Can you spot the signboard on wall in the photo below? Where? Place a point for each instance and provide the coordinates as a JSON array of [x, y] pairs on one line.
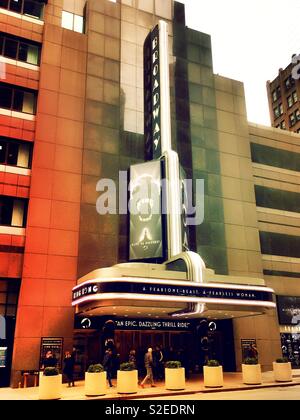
[[246, 345], [134, 324], [146, 228], [95, 290], [53, 344], [3, 357], [288, 310], [2, 328], [290, 345]]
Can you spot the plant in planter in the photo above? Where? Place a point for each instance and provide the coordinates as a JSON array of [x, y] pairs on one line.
[[282, 370], [175, 376], [127, 379], [213, 374], [95, 381], [251, 371], [127, 367], [50, 386]]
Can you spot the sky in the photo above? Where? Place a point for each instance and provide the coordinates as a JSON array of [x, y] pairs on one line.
[[251, 40]]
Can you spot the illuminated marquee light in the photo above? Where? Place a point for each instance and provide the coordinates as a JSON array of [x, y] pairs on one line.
[[164, 291], [178, 299], [173, 283]]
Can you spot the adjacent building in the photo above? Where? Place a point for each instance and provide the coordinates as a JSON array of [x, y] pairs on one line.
[[283, 96], [72, 113]]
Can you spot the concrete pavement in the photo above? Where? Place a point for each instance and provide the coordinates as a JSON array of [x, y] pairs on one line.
[[232, 382], [262, 394]]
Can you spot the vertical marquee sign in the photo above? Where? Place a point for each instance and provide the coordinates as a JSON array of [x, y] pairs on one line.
[[157, 93], [146, 229]]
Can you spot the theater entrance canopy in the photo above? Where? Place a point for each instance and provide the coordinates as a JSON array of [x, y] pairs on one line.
[[156, 291]]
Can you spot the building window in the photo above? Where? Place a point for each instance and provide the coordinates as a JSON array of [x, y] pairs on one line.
[[15, 153], [278, 111], [13, 211], [292, 99], [283, 125], [72, 22], [294, 117], [19, 49], [272, 198], [17, 99], [31, 8], [276, 94], [278, 158], [9, 294], [295, 97], [289, 82]]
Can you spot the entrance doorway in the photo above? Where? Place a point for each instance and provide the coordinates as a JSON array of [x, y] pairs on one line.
[[185, 346]]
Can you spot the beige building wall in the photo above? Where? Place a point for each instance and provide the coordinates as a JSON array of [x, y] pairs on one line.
[[240, 216], [278, 221]]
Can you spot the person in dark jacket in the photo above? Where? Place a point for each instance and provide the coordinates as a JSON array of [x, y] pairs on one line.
[[132, 358], [49, 360], [158, 365], [253, 352], [68, 370], [108, 365]]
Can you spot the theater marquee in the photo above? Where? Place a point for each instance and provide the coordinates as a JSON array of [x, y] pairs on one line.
[[176, 291]]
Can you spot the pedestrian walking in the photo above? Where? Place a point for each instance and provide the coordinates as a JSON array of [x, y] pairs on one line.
[[149, 367], [68, 370], [108, 365]]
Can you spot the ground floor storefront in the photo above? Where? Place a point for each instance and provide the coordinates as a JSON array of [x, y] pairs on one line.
[[191, 342]]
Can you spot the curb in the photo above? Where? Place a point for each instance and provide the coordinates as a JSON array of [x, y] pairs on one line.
[[202, 391]]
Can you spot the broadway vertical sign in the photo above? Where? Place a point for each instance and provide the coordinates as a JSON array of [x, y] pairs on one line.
[[157, 93], [152, 95]]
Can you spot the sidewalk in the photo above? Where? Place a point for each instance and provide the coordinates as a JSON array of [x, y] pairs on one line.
[[232, 382]]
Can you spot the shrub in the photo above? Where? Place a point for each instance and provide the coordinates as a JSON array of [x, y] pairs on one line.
[[95, 369], [282, 360], [51, 371], [127, 367], [173, 365], [213, 363], [251, 361]]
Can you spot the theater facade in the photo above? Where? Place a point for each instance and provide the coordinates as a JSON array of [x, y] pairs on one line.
[[110, 88]]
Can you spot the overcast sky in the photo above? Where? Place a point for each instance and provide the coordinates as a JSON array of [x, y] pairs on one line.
[[251, 40]]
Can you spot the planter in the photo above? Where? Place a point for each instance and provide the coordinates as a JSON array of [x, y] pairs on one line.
[[213, 377], [251, 374], [283, 372], [175, 379], [95, 384], [50, 387], [127, 382]]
